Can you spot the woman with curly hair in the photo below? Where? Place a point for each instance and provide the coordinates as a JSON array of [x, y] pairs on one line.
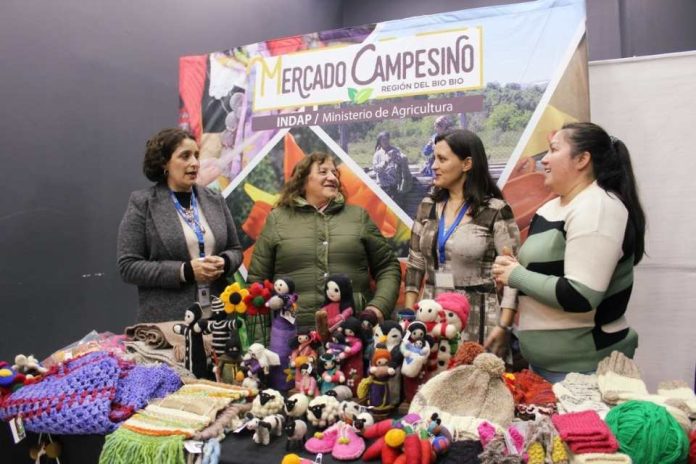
[[177, 240], [312, 233]]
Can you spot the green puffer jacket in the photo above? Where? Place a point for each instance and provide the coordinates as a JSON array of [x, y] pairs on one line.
[[309, 245]]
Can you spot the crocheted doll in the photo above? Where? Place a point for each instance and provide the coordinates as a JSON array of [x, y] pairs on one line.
[[307, 383], [351, 357], [218, 325], [304, 347], [338, 305], [195, 359], [283, 329], [331, 374]]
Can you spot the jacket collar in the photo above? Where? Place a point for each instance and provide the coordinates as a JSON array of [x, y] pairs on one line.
[[334, 206]]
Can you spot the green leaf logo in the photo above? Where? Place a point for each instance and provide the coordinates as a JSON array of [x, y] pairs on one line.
[[359, 96], [363, 95]]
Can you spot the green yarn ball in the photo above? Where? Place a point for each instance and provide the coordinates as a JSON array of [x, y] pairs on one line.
[[648, 433]]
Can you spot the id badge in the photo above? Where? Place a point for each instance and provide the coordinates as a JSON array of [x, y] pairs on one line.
[[444, 280], [204, 295]]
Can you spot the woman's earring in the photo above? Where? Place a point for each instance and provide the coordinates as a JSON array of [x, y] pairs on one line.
[[166, 172]]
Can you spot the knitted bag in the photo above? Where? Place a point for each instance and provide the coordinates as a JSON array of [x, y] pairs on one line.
[[73, 399]]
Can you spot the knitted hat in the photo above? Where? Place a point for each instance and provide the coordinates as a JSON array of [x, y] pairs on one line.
[[466, 353], [476, 391], [216, 305], [456, 303], [381, 353]]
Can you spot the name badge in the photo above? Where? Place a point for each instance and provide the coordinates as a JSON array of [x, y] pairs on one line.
[[204, 295], [444, 280]]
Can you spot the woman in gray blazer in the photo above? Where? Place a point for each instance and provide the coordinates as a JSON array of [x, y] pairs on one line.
[[177, 241]]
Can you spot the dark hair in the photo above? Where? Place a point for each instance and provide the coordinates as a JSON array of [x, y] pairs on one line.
[[611, 164], [354, 324], [345, 286], [381, 136], [479, 186], [294, 187], [159, 149]]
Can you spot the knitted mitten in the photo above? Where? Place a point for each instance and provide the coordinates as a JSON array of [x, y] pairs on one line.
[[544, 444], [678, 394], [579, 392], [619, 380], [496, 453]]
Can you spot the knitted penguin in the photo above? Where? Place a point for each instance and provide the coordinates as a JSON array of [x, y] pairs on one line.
[[195, 359]]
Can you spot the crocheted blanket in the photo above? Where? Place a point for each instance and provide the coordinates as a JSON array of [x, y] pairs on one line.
[[89, 394]]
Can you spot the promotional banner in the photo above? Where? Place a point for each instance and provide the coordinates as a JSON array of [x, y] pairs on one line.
[[376, 95]]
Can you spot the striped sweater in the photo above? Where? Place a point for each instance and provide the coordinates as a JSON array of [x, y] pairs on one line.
[[575, 282]]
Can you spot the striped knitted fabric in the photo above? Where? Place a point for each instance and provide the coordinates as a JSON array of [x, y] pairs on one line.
[[585, 432], [161, 427]]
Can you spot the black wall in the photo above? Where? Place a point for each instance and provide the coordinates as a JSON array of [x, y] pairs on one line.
[[84, 83]]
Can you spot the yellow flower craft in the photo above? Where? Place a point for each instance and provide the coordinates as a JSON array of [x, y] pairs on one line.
[[233, 298]]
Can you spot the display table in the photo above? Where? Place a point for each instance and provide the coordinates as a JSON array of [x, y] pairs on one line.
[[85, 449]]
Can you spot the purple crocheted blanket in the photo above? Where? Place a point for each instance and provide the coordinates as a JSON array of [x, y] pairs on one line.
[[89, 394]]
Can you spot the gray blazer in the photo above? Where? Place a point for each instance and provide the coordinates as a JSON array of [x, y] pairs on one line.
[[152, 248]]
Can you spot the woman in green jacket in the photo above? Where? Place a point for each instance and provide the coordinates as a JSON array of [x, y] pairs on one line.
[[312, 233]]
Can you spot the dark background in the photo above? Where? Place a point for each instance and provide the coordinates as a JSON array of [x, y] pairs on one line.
[[83, 84]]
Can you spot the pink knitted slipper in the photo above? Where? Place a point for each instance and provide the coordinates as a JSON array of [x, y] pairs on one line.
[[323, 442], [349, 445]]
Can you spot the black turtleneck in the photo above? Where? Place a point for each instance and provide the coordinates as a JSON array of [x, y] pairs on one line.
[[184, 198]]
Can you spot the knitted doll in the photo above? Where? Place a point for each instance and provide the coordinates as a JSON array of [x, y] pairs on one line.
[[368, 321], [218, 325], [195, 359], [307, 383], [378, 392], [229, 365], [283, 330], [391, 334], [331, 374], [415, 348], [304, 347], [453, 317], [338, 305], [258, 362], [351, 358]]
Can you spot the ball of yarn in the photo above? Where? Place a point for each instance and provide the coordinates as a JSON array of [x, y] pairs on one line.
[[395, 438], [648, 433], [291, 459], [440, 444], [692, 448]]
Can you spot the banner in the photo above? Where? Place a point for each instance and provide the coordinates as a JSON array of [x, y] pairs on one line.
[[376, 95]]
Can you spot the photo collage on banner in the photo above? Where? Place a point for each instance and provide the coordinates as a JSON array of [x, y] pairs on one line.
[[376, 95]]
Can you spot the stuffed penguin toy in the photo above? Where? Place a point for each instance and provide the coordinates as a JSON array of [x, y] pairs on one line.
[[195, 359]]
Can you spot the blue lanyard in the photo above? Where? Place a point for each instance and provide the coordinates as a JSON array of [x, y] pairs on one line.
[[443, 235], [194, 224]]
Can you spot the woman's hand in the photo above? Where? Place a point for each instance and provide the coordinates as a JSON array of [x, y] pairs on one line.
[[497, 342], [207, 269], [378, 314], [502, 267]]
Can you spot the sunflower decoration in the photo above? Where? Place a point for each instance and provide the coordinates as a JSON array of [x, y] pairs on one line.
[[233, 298]]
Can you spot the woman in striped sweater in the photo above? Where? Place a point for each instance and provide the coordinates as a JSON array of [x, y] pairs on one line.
[[574, 272]]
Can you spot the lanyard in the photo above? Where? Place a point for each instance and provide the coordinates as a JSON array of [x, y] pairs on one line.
[[443, 235], [193, 222]]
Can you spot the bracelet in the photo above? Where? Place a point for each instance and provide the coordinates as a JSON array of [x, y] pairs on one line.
[[507, 328]]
